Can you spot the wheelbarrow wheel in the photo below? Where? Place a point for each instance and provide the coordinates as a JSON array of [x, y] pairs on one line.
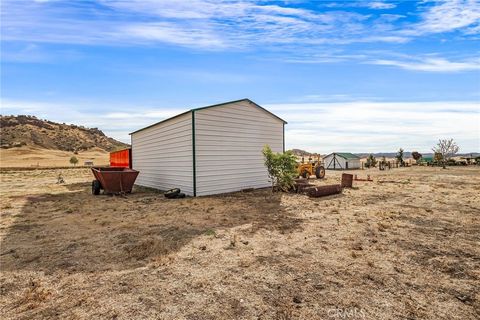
[[172, 193], [96, 186]]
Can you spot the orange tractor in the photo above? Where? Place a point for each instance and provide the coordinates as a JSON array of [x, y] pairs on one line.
[[310, 168]]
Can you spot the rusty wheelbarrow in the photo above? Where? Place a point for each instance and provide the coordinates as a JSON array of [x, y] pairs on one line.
[[113, 180]]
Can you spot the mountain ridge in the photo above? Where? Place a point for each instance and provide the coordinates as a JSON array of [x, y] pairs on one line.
[[21, 130]]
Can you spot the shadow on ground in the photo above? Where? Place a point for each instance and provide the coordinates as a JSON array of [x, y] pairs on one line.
[[77, 232]]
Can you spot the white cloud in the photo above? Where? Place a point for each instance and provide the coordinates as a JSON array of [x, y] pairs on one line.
[[432, 65], [204, 24], [175, 34], [379, 126], [447, 16], [431, 62], [294, 34], [376, 5], [381, 5], [320, 127], [222, 25]]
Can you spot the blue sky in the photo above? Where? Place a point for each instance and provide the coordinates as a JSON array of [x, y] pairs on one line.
[[359, 76]]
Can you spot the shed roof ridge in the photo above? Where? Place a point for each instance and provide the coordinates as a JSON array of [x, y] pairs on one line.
[[240, 100], [206, 107], [345, 155]]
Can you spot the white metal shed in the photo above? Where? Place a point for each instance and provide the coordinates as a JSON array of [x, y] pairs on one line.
[[209, 150], [341, 161]]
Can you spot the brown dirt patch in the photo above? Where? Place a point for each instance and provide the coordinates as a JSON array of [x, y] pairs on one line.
[[402, 249]]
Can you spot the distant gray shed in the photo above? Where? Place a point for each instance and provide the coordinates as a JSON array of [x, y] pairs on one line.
[[209, 150], [341, 161]]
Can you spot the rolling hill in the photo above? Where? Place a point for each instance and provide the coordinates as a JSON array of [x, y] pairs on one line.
[[22, 130], [27, 141]]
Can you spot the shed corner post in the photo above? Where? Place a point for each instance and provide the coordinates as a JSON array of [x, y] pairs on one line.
[[194, 164], [130, 154]]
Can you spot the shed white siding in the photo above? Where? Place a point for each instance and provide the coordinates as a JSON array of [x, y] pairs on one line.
[[228, 141], [330, 163], [340, 163], [354, 164], [163, 155]]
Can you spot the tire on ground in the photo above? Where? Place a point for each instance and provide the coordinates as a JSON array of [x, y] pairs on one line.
[[172, 193]]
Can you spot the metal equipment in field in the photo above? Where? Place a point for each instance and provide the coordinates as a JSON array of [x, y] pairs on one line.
[[310, 168], [347, 180], [113, 180], [121, 158], [322, 191]]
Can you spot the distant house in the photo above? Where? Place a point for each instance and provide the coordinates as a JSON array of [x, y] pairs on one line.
[[341, 161], [88, 163]]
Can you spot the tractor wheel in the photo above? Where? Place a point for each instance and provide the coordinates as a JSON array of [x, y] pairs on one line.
[[96, 186], [320, 172], [306, 174]]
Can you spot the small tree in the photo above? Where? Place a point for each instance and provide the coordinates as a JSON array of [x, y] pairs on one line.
[[74, 160], [417, 156], [281, 167], [371, 161], [447, 148], [399, 157]]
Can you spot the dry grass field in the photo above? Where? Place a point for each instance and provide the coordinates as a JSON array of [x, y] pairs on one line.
[[406, 246], [28, 156]]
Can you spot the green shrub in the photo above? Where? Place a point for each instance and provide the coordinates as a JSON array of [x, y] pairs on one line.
[[371, 161], [399, 157], [74, 160], [281, 167]]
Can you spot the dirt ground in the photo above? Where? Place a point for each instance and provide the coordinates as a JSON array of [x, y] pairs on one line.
[[28, 156], [406, 246]]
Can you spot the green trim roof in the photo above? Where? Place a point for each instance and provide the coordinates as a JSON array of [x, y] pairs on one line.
[[345, 155], [207, 107]]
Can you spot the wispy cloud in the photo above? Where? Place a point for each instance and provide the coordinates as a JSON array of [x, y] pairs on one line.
[[175, 34], [296, 35], [432, 65], [34, 53], [447, 16], [381, 5], [375, 5], [208, 24], [431, 62]]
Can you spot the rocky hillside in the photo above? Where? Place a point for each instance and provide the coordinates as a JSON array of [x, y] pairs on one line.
[[303, 153], [17, 131], [300, 152]]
